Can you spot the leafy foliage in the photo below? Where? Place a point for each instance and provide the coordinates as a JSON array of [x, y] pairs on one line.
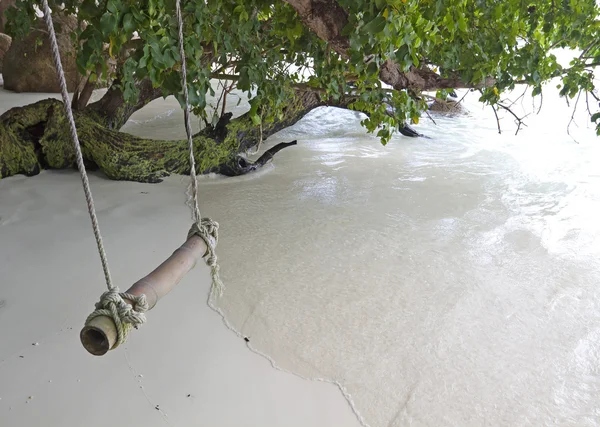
[[266, 50]]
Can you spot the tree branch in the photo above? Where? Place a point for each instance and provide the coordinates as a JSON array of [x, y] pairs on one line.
[[326, 19]]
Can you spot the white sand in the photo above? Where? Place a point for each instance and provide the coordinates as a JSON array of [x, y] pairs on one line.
[[50, 279]]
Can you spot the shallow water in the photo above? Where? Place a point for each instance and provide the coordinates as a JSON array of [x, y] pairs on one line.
[[443, 281]]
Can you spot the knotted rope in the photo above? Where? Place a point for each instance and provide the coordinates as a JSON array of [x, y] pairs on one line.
[[205, 228], [208, 230], [111, 302]]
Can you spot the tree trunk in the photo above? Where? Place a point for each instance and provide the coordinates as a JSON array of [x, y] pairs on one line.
[[112, 110], [37, 137]]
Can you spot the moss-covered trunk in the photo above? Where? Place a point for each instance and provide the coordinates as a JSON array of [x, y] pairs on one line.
[[37, 137], [113, 112]]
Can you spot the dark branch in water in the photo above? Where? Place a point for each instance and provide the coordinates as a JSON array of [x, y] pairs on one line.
[[408, 131], [241, 166], [268, 155]]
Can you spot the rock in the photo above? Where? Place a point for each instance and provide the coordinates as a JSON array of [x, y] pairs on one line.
[[4, 45], [4, 4], [448, 107], [28, 63]]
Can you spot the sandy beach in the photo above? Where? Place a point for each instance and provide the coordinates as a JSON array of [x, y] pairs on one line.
[[183, 368]]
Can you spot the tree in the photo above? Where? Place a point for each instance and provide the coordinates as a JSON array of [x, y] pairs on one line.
[[385, 58]]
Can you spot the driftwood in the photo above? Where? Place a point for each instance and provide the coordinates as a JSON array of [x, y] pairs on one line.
[[240, 165]]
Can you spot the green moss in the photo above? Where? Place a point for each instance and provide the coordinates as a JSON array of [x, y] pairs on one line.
[[16, 155], [120, 156], [56, 140], [17, 144]]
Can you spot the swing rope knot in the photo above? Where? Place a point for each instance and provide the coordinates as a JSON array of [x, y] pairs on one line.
[[208, 230], [125, 316]]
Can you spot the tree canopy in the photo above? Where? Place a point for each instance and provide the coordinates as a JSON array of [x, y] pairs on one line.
[[384, 53]]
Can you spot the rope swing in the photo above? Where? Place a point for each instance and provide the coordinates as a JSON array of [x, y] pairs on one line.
[[118, 312]]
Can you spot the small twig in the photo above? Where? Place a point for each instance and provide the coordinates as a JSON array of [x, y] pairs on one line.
[[518, 119], [221, 85], [225, 67], [225, 93], [587, 103], [541, 102], [587, 49], [556, 43], [260, 133], [464, 96], [497, 119], [430, 118], [519, 97], [573, 117], [226, 90]]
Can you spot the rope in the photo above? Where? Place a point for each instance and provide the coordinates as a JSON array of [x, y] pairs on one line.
[[126, 317], [186, 113], [111, 302], [205, 228], [208, 230], [74, 137]]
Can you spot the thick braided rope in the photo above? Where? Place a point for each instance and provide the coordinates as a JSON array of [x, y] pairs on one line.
[[111, 303], [206, 228]]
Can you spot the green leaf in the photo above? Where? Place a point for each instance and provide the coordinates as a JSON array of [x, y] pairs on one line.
[[244, 80], [375, 26], [108, 23], [112, 7], [255, 119], [462, 24], [128, 23]]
